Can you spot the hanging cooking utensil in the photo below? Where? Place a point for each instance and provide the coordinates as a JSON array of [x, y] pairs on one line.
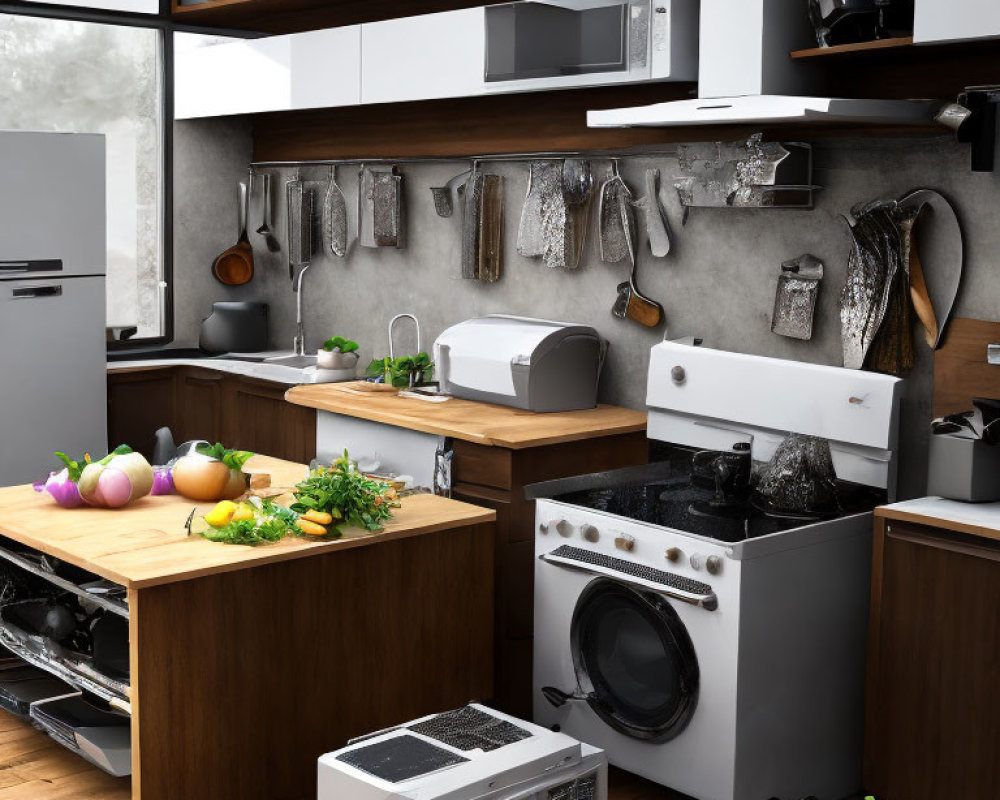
[[795, 298], [335, 217], [234, 266], [491, 219], [444, 196], [270, 240], [657, 227], [300, 210], [380, 207], [472, 197], [614, 196], [530, 243], [553, 214], [631, 303], [578, 189], [936, 260]]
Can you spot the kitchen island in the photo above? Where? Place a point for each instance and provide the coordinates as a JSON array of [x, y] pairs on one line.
[[249, 663]]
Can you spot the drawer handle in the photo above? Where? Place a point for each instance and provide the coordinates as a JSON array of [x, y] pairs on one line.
[[33, 292]]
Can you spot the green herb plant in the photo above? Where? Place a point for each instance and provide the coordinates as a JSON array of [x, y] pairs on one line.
[[270, 524], [399, 371], [75, 468], [341, 344], [350, 497], [234, 459]]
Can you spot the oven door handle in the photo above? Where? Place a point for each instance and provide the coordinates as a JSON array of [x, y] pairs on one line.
[[707, 600]]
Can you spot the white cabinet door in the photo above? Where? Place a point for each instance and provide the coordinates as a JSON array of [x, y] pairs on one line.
[[214, 77], [425, 57], [954, 20], [326, 68]]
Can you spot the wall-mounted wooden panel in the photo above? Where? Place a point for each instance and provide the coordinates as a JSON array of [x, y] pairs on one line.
[[961, 371]]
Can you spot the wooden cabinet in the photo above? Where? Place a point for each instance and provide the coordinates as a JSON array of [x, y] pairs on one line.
[[495, 477], [198, 403], [956, 20], [933, 706]]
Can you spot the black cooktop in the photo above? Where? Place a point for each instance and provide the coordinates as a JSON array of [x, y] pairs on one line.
[[666, 493]]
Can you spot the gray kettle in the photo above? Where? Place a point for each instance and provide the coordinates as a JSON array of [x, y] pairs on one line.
[[235, 327]]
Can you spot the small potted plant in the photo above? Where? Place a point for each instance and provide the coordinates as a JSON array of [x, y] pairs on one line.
[[403, 371], [337, 353]]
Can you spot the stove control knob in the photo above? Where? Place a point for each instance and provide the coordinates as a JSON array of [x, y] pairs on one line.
[[714, 565], [625, 542], [590, 533], [564, 528], [673, 554], [697, 561], [678, 375]]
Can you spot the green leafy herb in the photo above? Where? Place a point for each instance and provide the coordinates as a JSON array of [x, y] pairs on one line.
[[75, 468], [340, 343], [250, 531], [234, 459], [346, 494], [398, 371]]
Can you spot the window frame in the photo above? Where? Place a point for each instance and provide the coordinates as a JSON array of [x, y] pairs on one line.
[[162, 22]]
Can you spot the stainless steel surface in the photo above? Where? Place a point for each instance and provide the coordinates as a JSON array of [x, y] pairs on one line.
[[993, 354], [614, 205], [335, 217], [392, 328]]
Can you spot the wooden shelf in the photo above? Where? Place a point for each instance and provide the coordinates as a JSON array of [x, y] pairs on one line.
[[292, 16], [853, 49], [33, 765]]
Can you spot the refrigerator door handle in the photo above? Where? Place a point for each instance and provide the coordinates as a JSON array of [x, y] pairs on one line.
[[45, 265], [31, 292]]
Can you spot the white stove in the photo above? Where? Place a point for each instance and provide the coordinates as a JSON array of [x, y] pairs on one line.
[[704, 640]]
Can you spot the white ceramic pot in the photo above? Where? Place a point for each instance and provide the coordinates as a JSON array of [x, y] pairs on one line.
[[327, 359]]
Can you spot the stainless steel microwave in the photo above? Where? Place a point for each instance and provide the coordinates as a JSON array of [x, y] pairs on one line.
[[559, 43]]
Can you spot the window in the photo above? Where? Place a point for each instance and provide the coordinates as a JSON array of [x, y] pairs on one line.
[[94, 77]]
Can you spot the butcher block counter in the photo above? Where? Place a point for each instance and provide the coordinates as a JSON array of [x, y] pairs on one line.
[[480, 423], [249, 663], [496, 452]]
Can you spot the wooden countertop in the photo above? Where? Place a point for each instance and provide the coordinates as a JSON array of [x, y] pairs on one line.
[[146, 544], [975, 519], [482, 423]]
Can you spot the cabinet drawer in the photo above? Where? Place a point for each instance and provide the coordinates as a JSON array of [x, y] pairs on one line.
[[486, 466]]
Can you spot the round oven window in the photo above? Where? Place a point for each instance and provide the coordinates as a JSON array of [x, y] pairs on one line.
[[634, 660]]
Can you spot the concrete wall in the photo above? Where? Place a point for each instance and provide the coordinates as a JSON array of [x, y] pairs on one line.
[[718, 283]]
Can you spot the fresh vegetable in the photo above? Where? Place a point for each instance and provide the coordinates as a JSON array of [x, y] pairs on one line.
[[402, 371], [221, 514], [311, 528], [256, 522], [63, 490], [319, 517], [347, 495], [163, 481], [212, 473], [341, 344], [116, 480]]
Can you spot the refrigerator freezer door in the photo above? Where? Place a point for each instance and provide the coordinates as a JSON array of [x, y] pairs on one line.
[[52, 204], [53, 374]]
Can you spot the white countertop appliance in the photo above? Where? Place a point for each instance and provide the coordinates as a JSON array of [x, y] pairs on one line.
[[53, 252], [474, 753], [703, 635], [533, 364]]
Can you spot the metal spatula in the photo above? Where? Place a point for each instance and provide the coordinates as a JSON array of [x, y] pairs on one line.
[[300, 210], [614, 205], [335, 218]]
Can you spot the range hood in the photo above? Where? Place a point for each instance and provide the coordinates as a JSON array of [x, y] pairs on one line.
[[745, 75], [767, 108]]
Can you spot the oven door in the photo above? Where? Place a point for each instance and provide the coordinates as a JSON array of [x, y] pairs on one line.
[[635, 664]]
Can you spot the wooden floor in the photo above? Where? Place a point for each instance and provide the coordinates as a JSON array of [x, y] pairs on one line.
[[625, 786], [34, 767]]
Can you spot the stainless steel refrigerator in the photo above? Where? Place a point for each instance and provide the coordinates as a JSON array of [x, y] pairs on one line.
[[53, 255]]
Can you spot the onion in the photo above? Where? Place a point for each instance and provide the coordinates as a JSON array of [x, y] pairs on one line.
[[61, 489], [201, 477], [115, 482], [163, 481]]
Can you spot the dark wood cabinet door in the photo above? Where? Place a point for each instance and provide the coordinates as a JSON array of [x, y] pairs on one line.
[[138, 404], [933, 706], [256, 417], [199, 406]]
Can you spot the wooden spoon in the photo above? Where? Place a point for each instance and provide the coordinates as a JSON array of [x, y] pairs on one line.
[[234, 266]]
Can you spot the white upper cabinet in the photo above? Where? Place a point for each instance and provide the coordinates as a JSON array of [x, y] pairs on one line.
[[423, 58], [955, 20], [215, 76]]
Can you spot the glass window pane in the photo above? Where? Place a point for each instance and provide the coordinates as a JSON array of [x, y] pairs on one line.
[[137, 6], [60, 75]]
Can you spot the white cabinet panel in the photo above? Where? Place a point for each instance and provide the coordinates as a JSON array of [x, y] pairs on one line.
[[238, 76], [422, 58], [954, 20], [326, 68]]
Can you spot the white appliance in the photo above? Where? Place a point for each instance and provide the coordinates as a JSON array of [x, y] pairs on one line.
[[717, 648], [549, 44], [52, 305], [474, 753], [745, 76]]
